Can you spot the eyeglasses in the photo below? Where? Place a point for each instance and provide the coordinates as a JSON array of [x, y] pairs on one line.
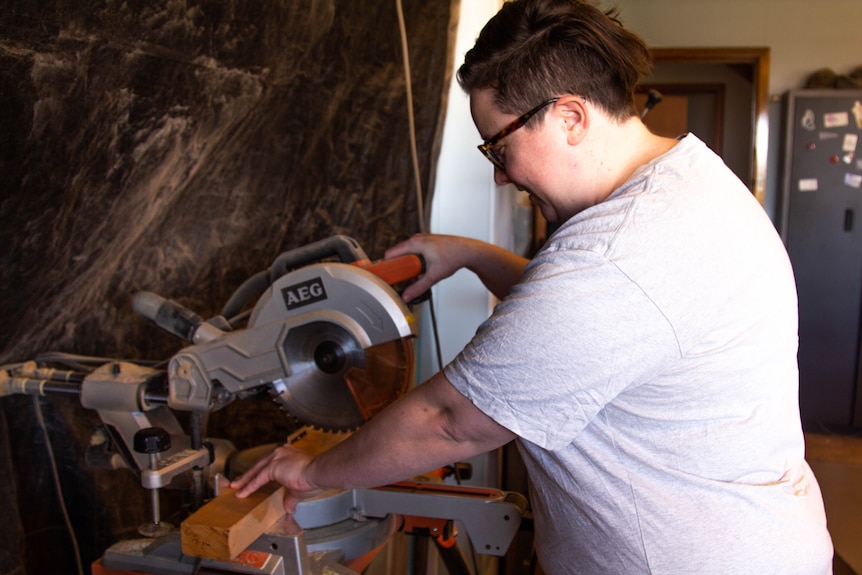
[[487, 147]]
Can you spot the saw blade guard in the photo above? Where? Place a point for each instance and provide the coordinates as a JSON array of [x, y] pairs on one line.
[[333, 341], [346, 347]]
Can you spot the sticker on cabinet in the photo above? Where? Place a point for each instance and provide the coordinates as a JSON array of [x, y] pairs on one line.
[[808, 185]]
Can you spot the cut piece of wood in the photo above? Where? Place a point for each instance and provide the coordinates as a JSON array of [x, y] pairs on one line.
[[225, 526]]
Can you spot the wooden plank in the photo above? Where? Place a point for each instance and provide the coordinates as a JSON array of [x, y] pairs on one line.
[[225, 526]]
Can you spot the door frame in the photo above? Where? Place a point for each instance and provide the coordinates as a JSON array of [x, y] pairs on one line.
[[755, 60]]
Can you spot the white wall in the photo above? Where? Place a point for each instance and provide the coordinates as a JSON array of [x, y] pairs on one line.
[[803, 36], [467, 203]]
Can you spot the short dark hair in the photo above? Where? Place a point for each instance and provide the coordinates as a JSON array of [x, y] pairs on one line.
[[532, 50]]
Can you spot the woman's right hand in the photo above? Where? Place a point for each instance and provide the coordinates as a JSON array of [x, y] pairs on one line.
[[442, 254], [498, 269]]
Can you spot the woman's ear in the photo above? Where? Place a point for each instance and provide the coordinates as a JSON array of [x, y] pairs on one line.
[[576, 117]]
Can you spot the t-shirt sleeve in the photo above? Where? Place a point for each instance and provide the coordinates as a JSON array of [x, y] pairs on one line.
[[574, 334]]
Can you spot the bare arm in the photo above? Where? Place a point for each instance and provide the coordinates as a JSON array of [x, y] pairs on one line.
[[498, 269], [432, 426]]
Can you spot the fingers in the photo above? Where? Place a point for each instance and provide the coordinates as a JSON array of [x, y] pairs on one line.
[[418, 243], [398, 249], [254, 478], [286, 465], [417, 288], [290, 503], [413, 245], [250, 482], [439, 261]]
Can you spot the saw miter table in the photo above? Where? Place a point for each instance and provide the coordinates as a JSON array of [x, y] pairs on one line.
[[324, 332]]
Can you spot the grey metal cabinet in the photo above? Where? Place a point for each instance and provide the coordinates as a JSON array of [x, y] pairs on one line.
[[821, 223]]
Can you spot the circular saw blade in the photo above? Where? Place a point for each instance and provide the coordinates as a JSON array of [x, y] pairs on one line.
[[334, 384]]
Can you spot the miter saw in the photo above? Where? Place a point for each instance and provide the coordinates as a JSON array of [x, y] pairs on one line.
[[331, 340]]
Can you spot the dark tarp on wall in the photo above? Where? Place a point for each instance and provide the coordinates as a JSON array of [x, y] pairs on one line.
[[178, 147]]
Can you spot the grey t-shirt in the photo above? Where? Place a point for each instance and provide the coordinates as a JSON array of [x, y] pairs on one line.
[[647, 362]]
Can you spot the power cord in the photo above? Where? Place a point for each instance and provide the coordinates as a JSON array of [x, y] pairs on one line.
[[55, 474], [411, 120], [420, 202]]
